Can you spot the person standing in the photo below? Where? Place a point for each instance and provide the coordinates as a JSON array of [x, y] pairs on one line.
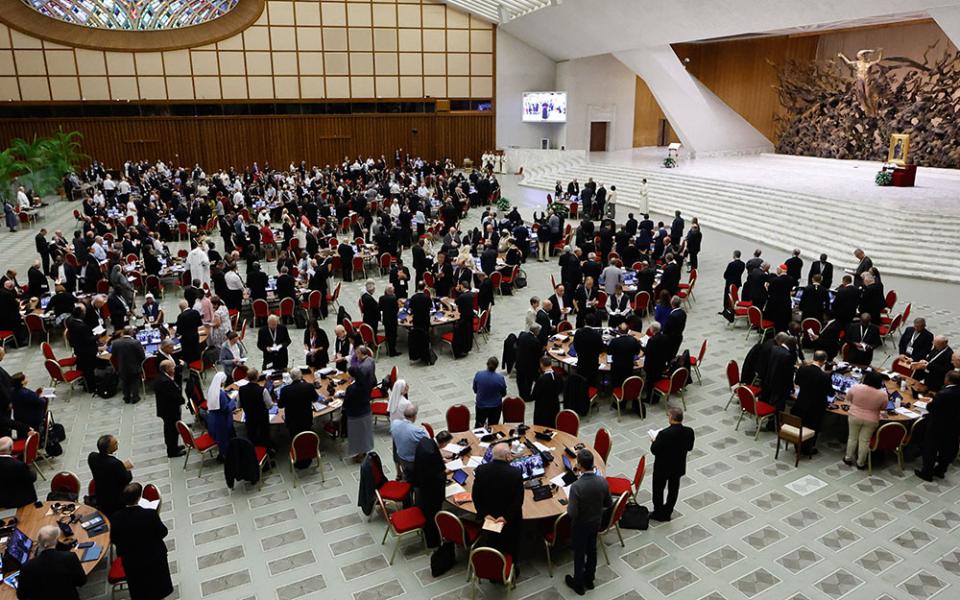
[[588, 498], [389, 309], [169, 401], [490, 387], [129, 354], [670, 448], [732, 275], [866, 401], [498, 493], [463, 330], [273, 339], [816, 388], [256, 403], [138, 535], [43, 249], [546, 395], [52, 573], [110, 475], [430, 480], [188, 330], [940, 443], [296, 399], [356, 404]]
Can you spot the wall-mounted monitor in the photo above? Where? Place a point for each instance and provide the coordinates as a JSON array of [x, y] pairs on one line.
[[545, 107]]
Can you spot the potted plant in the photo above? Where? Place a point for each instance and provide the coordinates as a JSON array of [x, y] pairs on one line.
[[10, 167], [669, 162], [560, 209], [883, 177], [503, 204]]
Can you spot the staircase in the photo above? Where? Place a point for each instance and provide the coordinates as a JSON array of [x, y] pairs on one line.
[[899, 242]]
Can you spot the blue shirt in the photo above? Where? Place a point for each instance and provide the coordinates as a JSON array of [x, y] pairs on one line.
[[490, 388], [406, 436]]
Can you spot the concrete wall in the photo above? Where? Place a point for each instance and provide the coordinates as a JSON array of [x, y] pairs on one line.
[[599, 88], [521, 68]]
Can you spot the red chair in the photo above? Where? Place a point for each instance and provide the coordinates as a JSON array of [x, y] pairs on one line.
[[261, 310], [380, 409], [810, 325], [386, 261], [602, 443], [65, 482], [629, 392], [305, 446], [755, 316], [641, 302], [58, 375], [311, 306], [117, 577], [696, 361], [749, 405], [402, 523], [150, 369], [621, 485], [509, 279], [886, 331], [48, 354], [334, 298], [613, 524], [204, 445], [377, 393], [390, 490], [514, 410], [673, 386], [35, 324], [574, 210], [8, 336], [28, 450], [564, 326], [183, 231], [568, 422], [601, 303], [492, 565], [371, 339], [733, 380], [889, 436], [458, 418], [456, 531], [152, 494], [285, 310], [429, 429], [496, 278], [558, 532], [480, 326], [359, 266]]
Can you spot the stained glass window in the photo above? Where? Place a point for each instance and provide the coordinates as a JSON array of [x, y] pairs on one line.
[[133, 15]]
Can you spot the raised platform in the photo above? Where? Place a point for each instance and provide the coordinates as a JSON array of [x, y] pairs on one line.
[[817, 205]]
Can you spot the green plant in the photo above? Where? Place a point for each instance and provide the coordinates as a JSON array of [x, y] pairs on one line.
[[503, 203], [560, 209], [63, 151], [669, 162], [10, 167], [883, 178], [40, 163]]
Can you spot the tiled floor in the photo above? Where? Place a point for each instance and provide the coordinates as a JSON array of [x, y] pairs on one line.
[[746, 526]]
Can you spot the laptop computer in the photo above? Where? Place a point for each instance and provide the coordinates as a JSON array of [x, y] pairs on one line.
[[17, 553]]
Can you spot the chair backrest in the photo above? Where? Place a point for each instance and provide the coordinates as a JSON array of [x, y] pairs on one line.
[[47, 351], [906, 313], [186, 435], [641, 301], [733, 373], [678, 380], [785, 418], [54, 370], [748, 401], [305, 446], [65, 481], [451, 528], [632, 388], [568, 421], [601, 443], [366, 333], [31, 448], [891, 299], [150, 368], [429, 429], [917, 430], [756, 316], [314, 299], [734, 295], [393, 376], [336, 291], [458, 418], [601, 300], [243, 329], [703, 350], [385, 260], [261, 309], [496, 278], [347, 325], [514, 409], [357, 263], [811, 324], [428, 278], [618, 507], [888, 437], [561, 528], [489, 563], [482, 320], [35, 323], [286, 307], [895, 324], [638, 474], [564, 326]]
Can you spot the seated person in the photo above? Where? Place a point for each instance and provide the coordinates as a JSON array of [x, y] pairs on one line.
[[28, 407]]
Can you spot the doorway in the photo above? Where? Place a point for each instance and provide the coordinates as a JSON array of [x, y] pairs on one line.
[[598, 136]]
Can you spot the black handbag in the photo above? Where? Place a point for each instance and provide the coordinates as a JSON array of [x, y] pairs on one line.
[[728, 314], [635, 517], [442, 559]]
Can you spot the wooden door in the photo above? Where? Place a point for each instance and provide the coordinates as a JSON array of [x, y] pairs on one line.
[[598, 136]]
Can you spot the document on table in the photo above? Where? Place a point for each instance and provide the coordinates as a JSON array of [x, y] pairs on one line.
[[560, 483], [453, 465], [474, 462], [920, 404], [541, 447], [453, 489], [453, 448], [907, 412]]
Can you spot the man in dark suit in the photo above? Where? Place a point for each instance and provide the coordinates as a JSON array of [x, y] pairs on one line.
[[420, 306], [559, 305], [389, 307], [822, 268], [498, 494], [546, 395], [623, 350], [794, 267], [546, 323], [863, 266], [138, 534], [110, 475], [463, 330], [917, 341], [755, 290], [676, 228], [670, 447], [815, 389], [118, 310], [129, 356], [589, 497], [188, 330], [421, 264], [863, 337], [778, 308], [16, 478], [871, 298], [940, 442], [286, 284], [588, 344], [488, 258], [845, 301], [732, 275], [51, 573], [256, 402], [346, 261], [933, 369], [43, 249], [169, 401], [585, 300], [814, 299], [297, 401], [656, 357], [369, 307], [670, 278], [779, 372], [37, 284], [529, 351], [675, 324], [273, 339]]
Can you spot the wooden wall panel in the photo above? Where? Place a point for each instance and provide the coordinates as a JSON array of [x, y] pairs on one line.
[[219, 141]]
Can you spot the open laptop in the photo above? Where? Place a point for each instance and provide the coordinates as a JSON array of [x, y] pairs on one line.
[[17, 553]]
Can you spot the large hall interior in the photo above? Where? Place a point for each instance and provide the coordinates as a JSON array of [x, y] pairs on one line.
[[448, 299]]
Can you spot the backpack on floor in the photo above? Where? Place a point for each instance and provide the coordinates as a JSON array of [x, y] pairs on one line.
[[635, 517], [106, 382]]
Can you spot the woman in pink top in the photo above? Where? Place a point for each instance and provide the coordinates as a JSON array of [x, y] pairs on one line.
[[866, 400]]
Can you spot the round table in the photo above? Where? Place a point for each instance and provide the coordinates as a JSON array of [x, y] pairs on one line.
[[447, 315], [532, 509], [908, 403], [341, 381], [558, 348], [30, 519]]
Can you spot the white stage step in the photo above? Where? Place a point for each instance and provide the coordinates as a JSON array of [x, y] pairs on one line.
[[900, 242]]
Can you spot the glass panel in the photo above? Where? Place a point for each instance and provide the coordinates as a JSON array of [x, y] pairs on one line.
[[133, 15]]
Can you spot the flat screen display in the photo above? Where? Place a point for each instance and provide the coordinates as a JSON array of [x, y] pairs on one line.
[[545, 107]]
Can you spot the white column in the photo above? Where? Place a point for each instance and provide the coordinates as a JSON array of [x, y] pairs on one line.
[[704, 123]]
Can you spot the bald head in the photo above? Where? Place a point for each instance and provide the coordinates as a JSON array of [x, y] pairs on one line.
[[6, 446], [940, 342], [47, 537], [502, 452]]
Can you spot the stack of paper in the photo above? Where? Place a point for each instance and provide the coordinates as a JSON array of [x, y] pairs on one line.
[[453, 465], [560, 483], [653, 433], [453, 489]]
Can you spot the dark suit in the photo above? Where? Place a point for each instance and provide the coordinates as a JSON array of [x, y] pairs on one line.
[[430, 479], [110, 476], [814, 301], [297, 401], [463, 330], [732, 275], [118, 310], [755, 289], [286, 286], [815, 387], [37, 284], [856, 334], [824, 270], [546, 325], [138, 534], [845, 303], [371, 311], [670, 449], [498, 492], [129, 355], [255, 413], [656, 357], [778, 379], [940, 442], [872, 301], [265, 339], [529, 351], [546, 399], [778, 307], [670, 278], [389, 308], [794, 268], [51, 574], [581, 297], [917, 348], [938, 364], [188, 330], [169, 401], [588, 343], [673, 329], [16, 483], [622, 350]]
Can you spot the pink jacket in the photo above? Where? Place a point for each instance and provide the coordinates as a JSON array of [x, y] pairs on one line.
[[866, 402]]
